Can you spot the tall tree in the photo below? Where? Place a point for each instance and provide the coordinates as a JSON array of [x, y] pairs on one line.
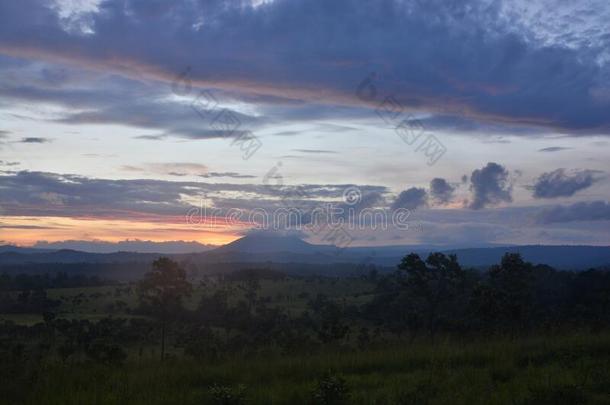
[[432, 285], [512, 280], [162, 290]]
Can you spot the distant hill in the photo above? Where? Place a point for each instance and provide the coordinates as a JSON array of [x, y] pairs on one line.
[[559, 257], [24, 250], [16, 255], [269, 248], [133, 245]]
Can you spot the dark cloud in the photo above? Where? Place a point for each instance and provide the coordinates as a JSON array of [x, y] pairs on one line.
[[582, 211], [294, 49], [6, 163], [151, 137], [176, 119], [490, 186], [411, 199], [559, 183], [51, 194], [441, 191], [553, 149], [468, 125], [34, 140], [110, 99]]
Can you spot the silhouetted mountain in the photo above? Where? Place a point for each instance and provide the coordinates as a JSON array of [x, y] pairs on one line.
[[270, 248], [267, 243]]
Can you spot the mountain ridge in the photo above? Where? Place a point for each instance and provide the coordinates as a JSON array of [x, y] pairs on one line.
[[261, 248]]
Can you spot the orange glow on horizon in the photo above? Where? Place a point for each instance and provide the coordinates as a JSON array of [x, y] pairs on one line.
[[26, 231]]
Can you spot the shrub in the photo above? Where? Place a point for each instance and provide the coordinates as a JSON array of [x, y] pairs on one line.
[[331, 389], [227, 395], [557, 395]]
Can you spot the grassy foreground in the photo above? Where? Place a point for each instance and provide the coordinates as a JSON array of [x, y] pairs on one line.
[[542, 370]]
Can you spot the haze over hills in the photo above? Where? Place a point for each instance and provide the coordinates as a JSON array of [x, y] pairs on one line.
[[130, 245], [265, 248]]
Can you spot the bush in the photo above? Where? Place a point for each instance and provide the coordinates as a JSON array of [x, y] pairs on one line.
[[227, 395], [557, 395], [105, 353], [331, 389]]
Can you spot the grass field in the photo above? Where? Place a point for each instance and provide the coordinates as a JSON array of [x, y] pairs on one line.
[[551, 370], [292, 294], [561, 369]]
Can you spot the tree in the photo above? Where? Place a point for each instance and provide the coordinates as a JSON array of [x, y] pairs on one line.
[[330, 319], [432, 286], [162, 291], [512, 281]]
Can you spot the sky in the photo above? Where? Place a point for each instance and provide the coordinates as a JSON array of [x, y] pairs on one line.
[[480, 121]]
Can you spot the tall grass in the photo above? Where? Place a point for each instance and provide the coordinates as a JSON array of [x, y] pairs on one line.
[[539, 370]]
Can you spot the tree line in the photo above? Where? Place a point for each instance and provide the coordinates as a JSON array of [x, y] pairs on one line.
[[423, 298]]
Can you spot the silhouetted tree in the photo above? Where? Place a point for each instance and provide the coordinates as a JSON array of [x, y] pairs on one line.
[[162, 290], [330, 323], [511, 281], [432, 286]]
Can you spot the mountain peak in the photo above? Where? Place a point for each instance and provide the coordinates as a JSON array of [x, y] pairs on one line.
[[265, 242]]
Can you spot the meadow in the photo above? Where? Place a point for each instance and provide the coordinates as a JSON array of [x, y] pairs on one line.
[[518, 334], [572, 369]]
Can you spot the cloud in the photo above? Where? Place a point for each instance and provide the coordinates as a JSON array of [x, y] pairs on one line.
[[151, 137], [34, 140], [179, 169], [489, 61], [441, 191], [581, 211], [316, 151], [468, 125], [411, 199], [558, 183], [178, 120], [27, 227], [288, 133], [171, 169], [87, 98], [227, 174], [553, 149], [365, 200], [490, 185], [6, 163], [28, 193]]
